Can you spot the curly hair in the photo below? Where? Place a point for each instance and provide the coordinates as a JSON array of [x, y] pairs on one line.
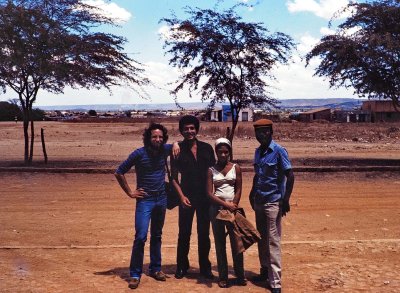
[[147, 133], [189, 119]]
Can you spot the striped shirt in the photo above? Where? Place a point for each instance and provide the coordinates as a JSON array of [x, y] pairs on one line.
[[150, 169]]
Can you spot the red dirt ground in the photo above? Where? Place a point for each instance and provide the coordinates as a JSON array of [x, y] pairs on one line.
[[73, 232]]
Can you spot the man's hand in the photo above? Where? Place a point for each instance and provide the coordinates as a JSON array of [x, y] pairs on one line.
[[138, 193], [175, 150], [185, 202], [284, 206]]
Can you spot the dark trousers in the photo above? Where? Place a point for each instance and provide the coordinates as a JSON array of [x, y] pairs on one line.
[[220, 228], [203, 235]]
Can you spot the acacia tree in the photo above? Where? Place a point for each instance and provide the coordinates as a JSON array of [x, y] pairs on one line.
[[225, 58], [49, 45], [364, 53]]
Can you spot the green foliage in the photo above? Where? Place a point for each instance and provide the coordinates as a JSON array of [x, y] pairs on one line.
[[365, 51], [225, 58], [38, 114], [50, 45], [9, 111], [92, 113]]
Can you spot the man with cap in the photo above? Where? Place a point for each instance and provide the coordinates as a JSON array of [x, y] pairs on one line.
[[193, 162], [269, 197]]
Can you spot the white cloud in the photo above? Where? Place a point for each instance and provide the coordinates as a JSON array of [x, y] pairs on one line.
[[249, 6], [164, 32], [297, 82], [326, 31], [160, 73], [307, 42], [352, 30], [293, 81], [164, 76], [321, 8], [348, 32], [111, 10]]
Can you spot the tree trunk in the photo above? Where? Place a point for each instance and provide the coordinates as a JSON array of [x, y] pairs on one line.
[[232, 132], [27, 119], [26, 140], [235, 118]]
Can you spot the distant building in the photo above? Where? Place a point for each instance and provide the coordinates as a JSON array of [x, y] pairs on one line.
[[381, 111], [351, 116], [314, 114], [275, 117], [224, 114]]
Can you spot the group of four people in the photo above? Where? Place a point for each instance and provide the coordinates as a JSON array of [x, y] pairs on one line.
[[206, 186]]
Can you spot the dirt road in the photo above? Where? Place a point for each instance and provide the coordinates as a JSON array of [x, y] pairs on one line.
[[73, 233]]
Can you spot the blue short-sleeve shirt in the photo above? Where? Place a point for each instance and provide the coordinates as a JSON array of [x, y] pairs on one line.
[[150, 170], [270, 167]]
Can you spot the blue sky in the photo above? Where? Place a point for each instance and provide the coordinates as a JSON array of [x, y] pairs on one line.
[[306, 21]]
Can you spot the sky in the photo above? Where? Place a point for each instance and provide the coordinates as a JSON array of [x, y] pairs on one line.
[[306, 21]]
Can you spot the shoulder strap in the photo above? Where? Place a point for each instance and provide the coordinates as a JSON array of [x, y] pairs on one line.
[[233, 168]]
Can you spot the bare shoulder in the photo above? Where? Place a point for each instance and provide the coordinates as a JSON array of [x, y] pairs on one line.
[[237, 167]]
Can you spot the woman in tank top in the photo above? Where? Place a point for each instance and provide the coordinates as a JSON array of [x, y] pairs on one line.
[[224, 187]]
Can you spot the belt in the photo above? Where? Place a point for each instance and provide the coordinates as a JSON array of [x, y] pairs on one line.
[[156, 193]]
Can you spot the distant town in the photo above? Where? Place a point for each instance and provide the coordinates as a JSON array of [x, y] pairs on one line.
[[302, 110], [337, 110]]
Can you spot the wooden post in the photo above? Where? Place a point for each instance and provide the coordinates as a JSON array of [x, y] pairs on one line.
[[43, 145]]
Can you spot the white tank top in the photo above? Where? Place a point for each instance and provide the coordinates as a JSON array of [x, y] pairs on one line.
[[224, 185]]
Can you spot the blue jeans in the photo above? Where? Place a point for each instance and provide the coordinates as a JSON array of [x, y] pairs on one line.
[[148, 209]]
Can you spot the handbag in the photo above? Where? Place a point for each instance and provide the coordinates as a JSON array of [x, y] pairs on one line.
[[173, 199]]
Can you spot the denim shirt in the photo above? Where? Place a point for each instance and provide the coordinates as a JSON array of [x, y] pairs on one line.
[[270, 168], [150, 170]]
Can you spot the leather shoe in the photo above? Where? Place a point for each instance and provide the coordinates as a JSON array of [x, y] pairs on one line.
[[159, 276], [275, 290], [180, 273], [223, 283], [241, 281], [133, 283]]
